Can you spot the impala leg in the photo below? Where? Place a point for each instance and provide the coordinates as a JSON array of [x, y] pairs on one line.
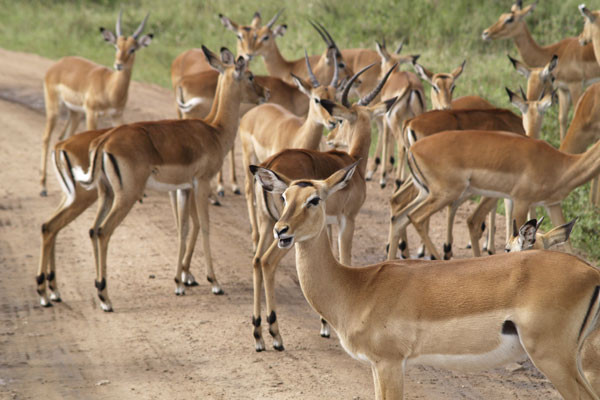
[[250, 203], [386, 151], [376, 384], [509, 206], [187, 277], [266, 229], [63, 216], [345, 236], [402, 164], [490, 243], [564, 103], [51, 117], [270, 262], [451, 213], [234, 184], [399, 220], [557, 217], [105, 203], [202, 192], [376, 160], [91, 119], [72, 125], [419, 216], [390, 377], [183, 212], [476, 220], [220, 183]]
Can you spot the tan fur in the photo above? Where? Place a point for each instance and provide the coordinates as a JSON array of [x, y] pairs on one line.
[[169, 155], [539, 79], [442, 85], [577, 66], [395, 313], [86, 87]]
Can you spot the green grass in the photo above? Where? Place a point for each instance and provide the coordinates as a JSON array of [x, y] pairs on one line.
[[443, 32]]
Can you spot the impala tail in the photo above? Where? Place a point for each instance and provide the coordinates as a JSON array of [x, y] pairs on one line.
[[88, 179], [187, 106]]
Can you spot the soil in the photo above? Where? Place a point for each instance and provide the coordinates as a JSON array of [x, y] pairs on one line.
[[157, 345]]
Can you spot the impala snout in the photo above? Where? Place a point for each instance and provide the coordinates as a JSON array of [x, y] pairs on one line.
[[485, 35], [284, 240], [118, 66]]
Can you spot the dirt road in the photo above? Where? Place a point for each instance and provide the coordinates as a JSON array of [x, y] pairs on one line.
[[156, 345]]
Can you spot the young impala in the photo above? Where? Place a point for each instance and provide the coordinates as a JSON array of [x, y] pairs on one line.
[[86, 87], [461, 314], [168, 155], [342, 209]]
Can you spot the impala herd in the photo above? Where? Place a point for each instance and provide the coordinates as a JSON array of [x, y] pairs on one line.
[[461, 314]]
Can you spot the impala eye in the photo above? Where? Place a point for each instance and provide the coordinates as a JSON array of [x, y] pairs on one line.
[[265, 38], [317, 101], [314, 201]]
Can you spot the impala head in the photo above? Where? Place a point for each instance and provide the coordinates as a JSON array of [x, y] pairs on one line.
[[126, 45], [237, 73], [591, 26], [442, 85], [538, 79], [389, 59], [317, 92], [527, 237], [509, 24], [532, 110], [303, 215], [254, 39], [357, 117]]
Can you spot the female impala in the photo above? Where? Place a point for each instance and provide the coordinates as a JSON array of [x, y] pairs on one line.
[[343, 207], [86, 87], [460, 314], [168, 155]]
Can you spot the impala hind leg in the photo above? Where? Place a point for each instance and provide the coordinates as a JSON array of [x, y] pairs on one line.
[[201, 198], [387, 152], [490, 242], [187, 278], [235, 188], [389, 380], [183, 211], [51, 117], [476, 220], [63, 216], [424, 210], [72, 124], [376, 159]]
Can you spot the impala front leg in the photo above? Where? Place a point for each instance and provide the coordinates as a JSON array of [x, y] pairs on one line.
[[187, 277], [233, 177], [183, 211], [376, 160], [202, 192], [390, 376], [270, 262]]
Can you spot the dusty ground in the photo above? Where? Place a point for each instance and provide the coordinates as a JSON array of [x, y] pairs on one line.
[[157, 345]]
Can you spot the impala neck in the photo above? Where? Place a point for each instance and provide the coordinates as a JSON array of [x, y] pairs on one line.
[[360, 144], [585, 167], [531, 53], [226, 108], [277, 65], [326, 284], [118, 85], [310, 134]]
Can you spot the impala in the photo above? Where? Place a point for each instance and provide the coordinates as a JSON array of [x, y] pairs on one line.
[[413, 104], [538, 79], [577, 64], [168, 155], [260, 41], [442, 85], [460, 314], [86, 87], [270, 128], [343, 208]]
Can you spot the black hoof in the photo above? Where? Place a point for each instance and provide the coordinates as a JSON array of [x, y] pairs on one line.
[[221, 193], [59, 300], [433, 257], [421, 255], [484, 248], [491, 253], [219, 293], [191, 284], [48, 304], [398, 183], [447, 256], [325, 335], [382, 185], [180, 294], [237, 191], [44, 193], [469, 246], [216, 203], [279, 348], [368, 179], [110, 310], [259, 350]]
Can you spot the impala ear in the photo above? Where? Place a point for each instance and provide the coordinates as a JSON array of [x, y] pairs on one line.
[[279, 30], [383, 53], [227, 23], [527, 233], [338, 111], [520, 67], [240, 66], [269, 180], [515, 230], [560, 234], [227, 56], [459, 70], [586, 13], [303, 86], [423, 73], [517, 101], [338, 180], [212, 59], [145, 40], [108, 36]]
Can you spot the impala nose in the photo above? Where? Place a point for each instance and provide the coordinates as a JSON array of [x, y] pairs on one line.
[[485, 35], [281, 231]]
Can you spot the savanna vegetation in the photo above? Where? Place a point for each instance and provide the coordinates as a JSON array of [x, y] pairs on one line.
[[444, 33]]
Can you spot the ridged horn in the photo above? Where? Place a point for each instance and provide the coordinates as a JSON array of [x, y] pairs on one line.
[[140, 28], [349, 85], [272, 21], [313, 79], [369, 98], [118, 26]]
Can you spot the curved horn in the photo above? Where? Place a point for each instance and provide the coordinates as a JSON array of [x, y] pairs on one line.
[[325, 39], [272, 21], [349, 85], [336, 71], [368, 98], [140, 28], [331, 41], [118, 26], [519, 4], [399, 48], [542, 94], [523, 95], [313, 79]]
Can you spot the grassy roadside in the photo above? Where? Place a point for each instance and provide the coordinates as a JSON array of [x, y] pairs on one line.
[[443, 32]]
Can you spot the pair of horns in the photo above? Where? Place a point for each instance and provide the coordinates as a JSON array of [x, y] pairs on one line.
[[398, 49], [137, 32], [324, 35], [369, 97], [313, 79]]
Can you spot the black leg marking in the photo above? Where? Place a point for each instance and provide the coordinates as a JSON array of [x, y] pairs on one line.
[[211, 280], [92, 233], [509, 328], [256, 335], [402, 245], [447, 251], [256, 321], [398, 183], [44, 228], [483, 226], [51, 276], [113, 160], [387, 248], [101, 298], [587, 314], [100, 286], [40, 278], [377, 161], [421, 253], [392, 160], [272, 318]]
